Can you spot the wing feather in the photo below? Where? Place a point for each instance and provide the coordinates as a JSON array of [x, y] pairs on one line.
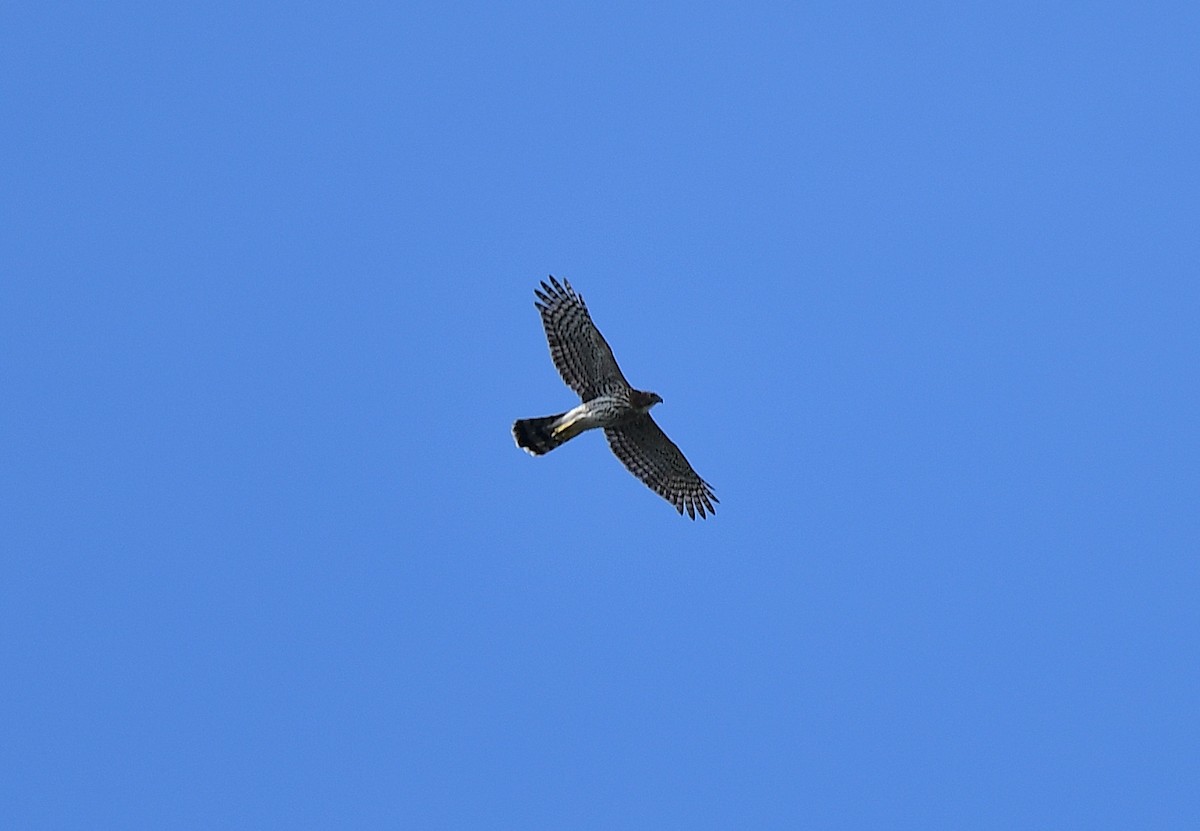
[[580, 353], [645, 450]]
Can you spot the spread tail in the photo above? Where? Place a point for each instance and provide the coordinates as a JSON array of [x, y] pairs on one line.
[[536, 435]]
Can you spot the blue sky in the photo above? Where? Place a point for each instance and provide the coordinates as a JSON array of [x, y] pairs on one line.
[[918, 284]]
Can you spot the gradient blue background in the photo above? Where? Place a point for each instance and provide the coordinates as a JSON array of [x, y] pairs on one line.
[[918, 283]]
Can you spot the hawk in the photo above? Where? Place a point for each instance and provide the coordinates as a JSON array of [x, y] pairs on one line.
[[586, 364]]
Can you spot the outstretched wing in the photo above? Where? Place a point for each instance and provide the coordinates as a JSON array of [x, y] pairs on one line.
[[583, 358], [644, 448]]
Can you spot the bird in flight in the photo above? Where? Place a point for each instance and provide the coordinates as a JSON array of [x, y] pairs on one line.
[[586, 364]]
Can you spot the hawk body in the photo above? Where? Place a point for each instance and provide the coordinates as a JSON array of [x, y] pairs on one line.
[[587, 366]]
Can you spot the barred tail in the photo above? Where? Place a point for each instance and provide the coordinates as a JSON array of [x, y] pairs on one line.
[[536, 436]]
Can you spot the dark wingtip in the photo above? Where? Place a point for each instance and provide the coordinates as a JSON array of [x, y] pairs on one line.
[[556, 290]]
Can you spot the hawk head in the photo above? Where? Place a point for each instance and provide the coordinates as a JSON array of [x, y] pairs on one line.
[[643, 401]]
